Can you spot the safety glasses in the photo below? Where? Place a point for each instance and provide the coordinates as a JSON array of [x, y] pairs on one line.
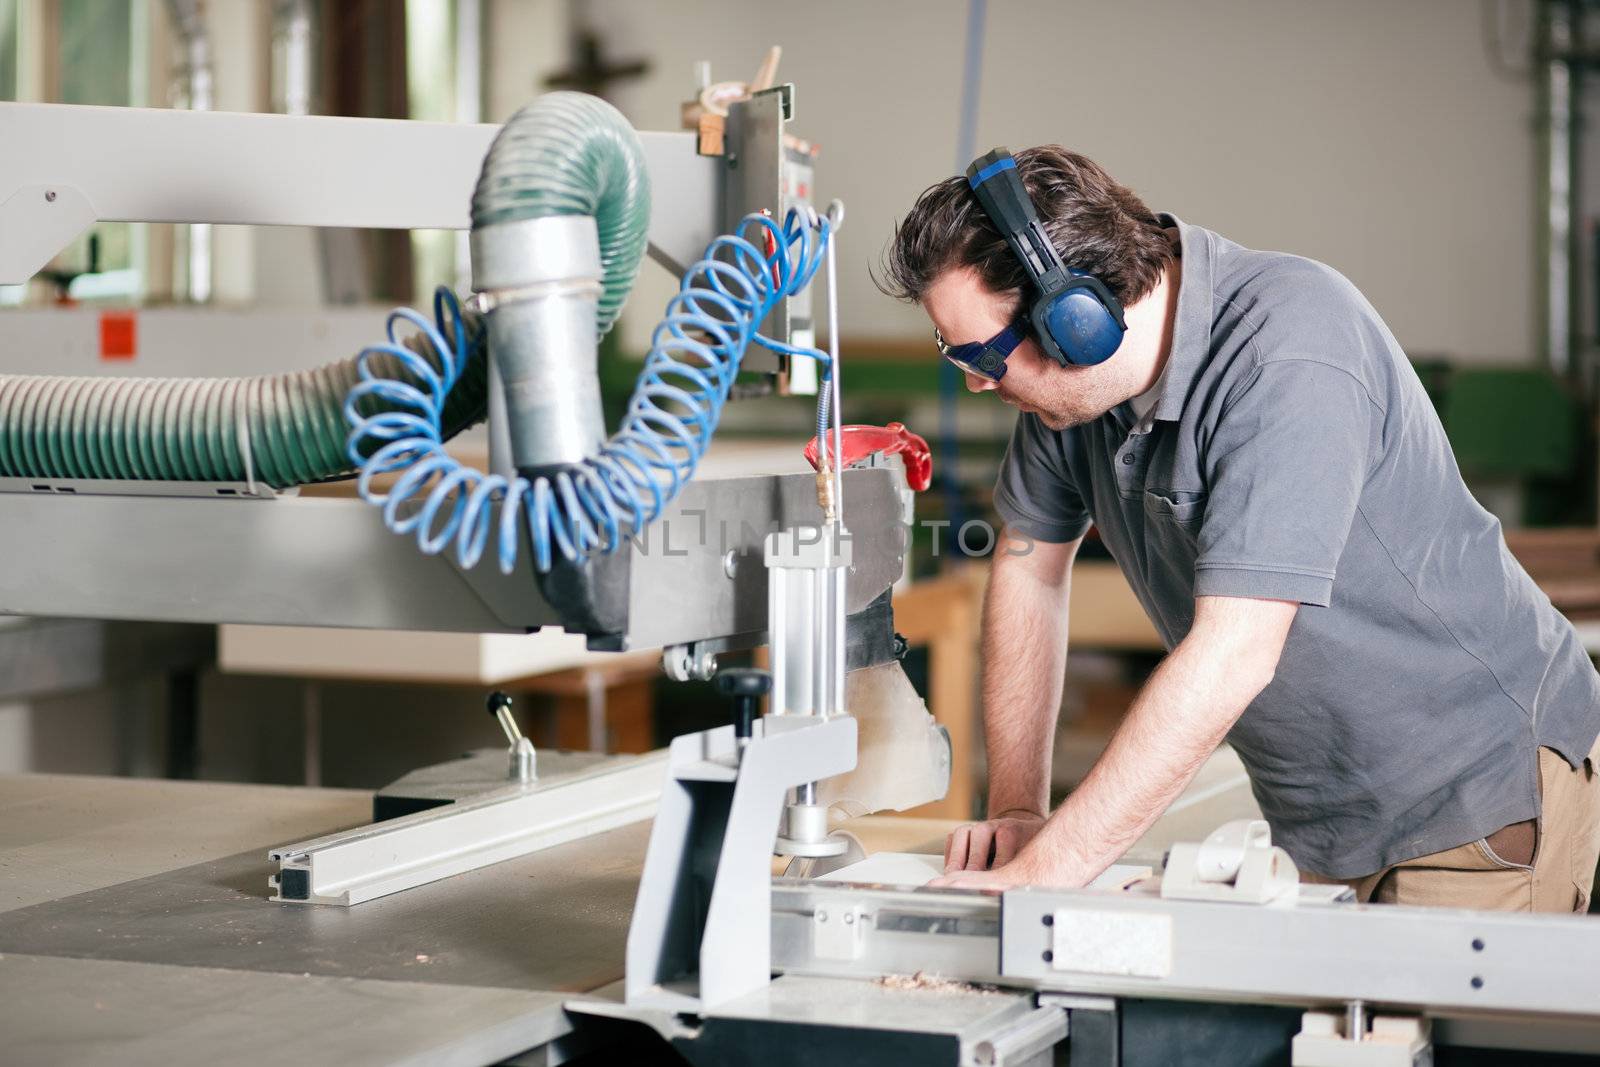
[[986, 359]]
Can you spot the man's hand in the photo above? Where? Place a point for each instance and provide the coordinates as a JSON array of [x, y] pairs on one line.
[[1030, 866], [983, 846], [1020, 872], [998, 880]]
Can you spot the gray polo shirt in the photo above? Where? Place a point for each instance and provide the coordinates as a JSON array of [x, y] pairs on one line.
[[1293, 455]]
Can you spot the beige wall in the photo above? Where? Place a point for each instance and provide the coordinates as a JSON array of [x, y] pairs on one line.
[[1369, 134]]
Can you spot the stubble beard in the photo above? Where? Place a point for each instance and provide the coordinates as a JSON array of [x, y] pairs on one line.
[[1066, 405], [1065, 415], [1060, 422]]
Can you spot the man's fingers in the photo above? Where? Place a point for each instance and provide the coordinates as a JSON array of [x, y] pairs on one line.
[[951, 880], [983, 881], [1006, 843], [980, 843], [983, 846], [955, 848]]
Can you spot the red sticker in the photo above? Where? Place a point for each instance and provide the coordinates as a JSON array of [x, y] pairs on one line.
[[119, 335]]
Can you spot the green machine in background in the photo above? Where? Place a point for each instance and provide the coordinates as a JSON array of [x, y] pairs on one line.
[[1521, 440]]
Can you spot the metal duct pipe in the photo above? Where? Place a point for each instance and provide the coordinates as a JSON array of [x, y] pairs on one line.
[[559, 221], [540, 283], [281, 430]]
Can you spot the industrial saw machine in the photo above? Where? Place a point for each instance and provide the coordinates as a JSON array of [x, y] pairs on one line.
[[175, 499]]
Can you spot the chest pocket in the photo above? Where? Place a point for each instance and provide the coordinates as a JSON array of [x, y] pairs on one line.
[[1174, 508]]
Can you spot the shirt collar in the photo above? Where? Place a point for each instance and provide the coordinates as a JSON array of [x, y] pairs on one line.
[[1191, 327]]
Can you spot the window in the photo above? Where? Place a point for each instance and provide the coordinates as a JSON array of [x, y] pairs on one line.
[[103, 60], [9, 19], [431, 97], [8, 49], [96, 61]]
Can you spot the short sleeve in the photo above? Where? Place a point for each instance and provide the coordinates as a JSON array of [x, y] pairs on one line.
[[1286, 464], [1035, 493]]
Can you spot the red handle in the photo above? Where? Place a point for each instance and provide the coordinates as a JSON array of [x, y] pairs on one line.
[[859, 442]]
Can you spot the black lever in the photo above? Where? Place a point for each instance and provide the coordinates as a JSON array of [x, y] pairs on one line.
[[746, 685], [499, 708]]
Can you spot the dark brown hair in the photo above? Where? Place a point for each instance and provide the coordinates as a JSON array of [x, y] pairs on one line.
[[1096, 225]]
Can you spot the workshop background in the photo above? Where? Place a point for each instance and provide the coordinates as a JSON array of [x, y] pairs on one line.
[[1434, 151]]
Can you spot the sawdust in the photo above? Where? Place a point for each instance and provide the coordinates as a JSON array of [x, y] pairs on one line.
[[933, 983]]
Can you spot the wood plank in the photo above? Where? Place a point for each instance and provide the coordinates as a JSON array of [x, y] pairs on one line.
[[942, 613]]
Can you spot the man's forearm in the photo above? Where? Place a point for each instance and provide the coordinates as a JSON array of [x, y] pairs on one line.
[[1179, 718], [1024, 662]]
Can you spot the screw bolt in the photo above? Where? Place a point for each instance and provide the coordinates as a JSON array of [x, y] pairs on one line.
[[706, 666], [50, 195]]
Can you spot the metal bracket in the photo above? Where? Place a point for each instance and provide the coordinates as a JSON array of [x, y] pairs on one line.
[[697, 660], [753, 166], [785, 98], [252, 490], [39, 221], [838, 935], [701, 932]]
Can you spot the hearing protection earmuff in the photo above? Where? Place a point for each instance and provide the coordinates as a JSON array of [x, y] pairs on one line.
[[1075, 316]]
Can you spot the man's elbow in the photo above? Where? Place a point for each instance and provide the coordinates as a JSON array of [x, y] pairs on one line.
[[1245, 638], [1257, 673], [1253, 664]]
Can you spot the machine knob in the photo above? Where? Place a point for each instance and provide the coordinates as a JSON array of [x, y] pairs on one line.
[[523, 766], [746, 685], [499, 708]]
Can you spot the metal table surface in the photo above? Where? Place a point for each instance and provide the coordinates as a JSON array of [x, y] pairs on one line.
[[136, 913], [63, 834], [135, 926], [66, 1011]]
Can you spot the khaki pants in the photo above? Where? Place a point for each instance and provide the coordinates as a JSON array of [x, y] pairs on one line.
[[1565, 848]]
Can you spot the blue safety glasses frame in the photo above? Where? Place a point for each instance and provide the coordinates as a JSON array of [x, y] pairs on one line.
[[986, 359]]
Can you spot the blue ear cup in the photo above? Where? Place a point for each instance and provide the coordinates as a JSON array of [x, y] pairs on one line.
[[1076, 319], [1083, 330]]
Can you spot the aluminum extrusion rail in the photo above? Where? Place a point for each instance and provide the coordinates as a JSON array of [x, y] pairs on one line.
[[373, 861]]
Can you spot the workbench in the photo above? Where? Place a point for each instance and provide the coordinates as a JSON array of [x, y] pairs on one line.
[[135, 927]]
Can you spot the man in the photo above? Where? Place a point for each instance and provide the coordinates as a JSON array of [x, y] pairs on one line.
[[1263, 464]]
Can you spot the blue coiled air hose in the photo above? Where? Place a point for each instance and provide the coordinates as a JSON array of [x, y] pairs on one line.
[[597, 505]]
